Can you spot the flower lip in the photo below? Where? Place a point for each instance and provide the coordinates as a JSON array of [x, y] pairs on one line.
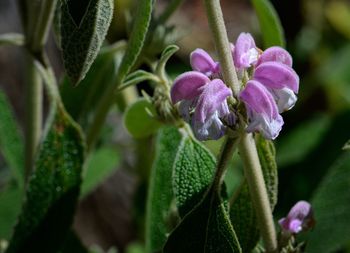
[[201, 61], [213, 95], [187, 86], [245, 53], [276, 54], [277, 75]]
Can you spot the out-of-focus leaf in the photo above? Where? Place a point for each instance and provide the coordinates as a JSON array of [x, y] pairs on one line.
[[193, 173], [138, 121], [331, 204], [301, 140], [83, 29], [102, 163], [270, 24], [338, 14], [72, 244], [206, 228], [14, 39], [53, 189], [137, 37], [11, 143], [10, 206], [347, 145], [242, 211], [135, 248], [160, 193]]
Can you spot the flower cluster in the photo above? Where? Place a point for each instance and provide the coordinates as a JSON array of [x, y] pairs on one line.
[[270, 90]]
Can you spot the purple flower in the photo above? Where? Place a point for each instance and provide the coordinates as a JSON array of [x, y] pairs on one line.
[[206, 98], [201, 61], [299, 218], [275, 54], [245, 53], [262, 110]]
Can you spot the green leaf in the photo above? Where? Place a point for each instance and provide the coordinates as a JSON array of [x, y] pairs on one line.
[[270, 24], [331, 204], [137, 77], [242, 211], [83, 30], [347, 145], [11, 142], [102, 163], [193, 173], [160, 194], [13, 39], [206, 228], [53, 189], [166, 54], [137, 37], [72, 244], [138, 121], [10, 207]]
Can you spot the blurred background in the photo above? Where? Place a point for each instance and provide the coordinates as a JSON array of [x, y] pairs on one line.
[[317, 35]]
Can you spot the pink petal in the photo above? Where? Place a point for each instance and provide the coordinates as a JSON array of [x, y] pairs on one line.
[[276, 75], [276, 54], [245, 53], [201, 61], [187, 86]]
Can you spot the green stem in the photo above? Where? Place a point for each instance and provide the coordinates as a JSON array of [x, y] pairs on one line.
[[258, 192], [33, 120], [217, 27]]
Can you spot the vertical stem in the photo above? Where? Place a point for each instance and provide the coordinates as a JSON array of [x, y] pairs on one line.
[[217, 27], [258, 192], [33, 120]]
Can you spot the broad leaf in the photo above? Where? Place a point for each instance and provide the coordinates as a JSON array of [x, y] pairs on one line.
[[160, 194], [83, 29], [242, 212], [11, 143], [137, 37], [10, 207], [270, 24], [193, 173], [53, 189], [138, 119], [206, 228], [331, 204], [102, 163]]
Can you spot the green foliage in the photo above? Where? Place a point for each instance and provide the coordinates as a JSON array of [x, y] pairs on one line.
[[138, 119], [72, 244], [137, 37], [193, 173], [10, 206], [14, 39], [137, 77], [11, 143], [242, 211], [160, 193], [331, 204], [53, 189], [83, 29], [206, 228], [166, 54], [102, 163], [270, 25]]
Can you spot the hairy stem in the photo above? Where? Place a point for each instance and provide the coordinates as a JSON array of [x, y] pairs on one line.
[[218, 30], [258, 192]]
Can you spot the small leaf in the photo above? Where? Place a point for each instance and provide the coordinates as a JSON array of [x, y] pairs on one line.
[[193, 173], [53, 189], [10, 207], [83, 29], [331, 204], [206, 228], [138, 121], [166, 54], [13, 39], [242, 211], [137, 37], [11, 142], [160, 194], [137, 77], [102, 163], [270, 24]]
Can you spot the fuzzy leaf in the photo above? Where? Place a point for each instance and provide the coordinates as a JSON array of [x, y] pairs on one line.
[[166, 54], [160, 194], [193, 173], [137, 77], [138, 121], [206, 228], [331, 204], [83, 29], [53, 189], [242, 212], [270, 24], [11, 143]]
